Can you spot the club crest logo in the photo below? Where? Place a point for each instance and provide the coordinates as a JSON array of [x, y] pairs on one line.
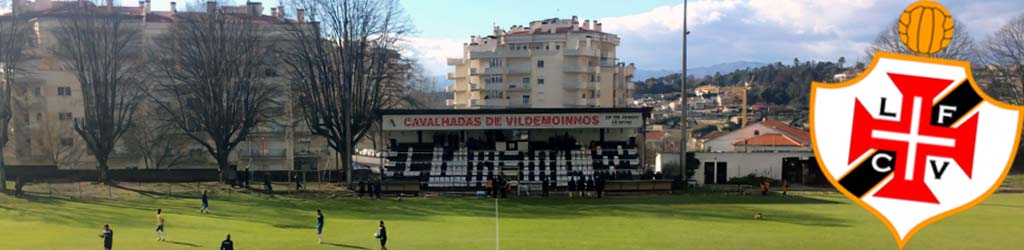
[[914, 139]]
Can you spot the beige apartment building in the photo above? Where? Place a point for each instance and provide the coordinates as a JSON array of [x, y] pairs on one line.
[[552, 63], [48, 98]]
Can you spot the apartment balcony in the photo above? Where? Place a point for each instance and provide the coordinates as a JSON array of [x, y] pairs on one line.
[[456, 75], [312, 151], [495, 71], [507, 53], [518, 87], [581, 52], [449, 102], [577, 69], [580, 102], [475, 87], [574, 84], [29, 101], [272, 130], [494, 86], [519, 69], [609, 62], [518, 104], [455, 61], [263, 153], [496, 102], [482, 54], [450, 89]]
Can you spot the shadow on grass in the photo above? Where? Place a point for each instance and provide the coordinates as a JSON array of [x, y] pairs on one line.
[[290, 212], [344, 246], [182, 243]]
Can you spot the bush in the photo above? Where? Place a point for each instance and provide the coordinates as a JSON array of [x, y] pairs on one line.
[[751, 179]]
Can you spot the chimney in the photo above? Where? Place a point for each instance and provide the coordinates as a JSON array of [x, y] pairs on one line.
[[300, 15], [575, 20], [255, 8], [586, 24], [174, 8], [273, 12], [142, 5], [211, 6], [280, 11], [110, 3], [145, 8], [597, 26]]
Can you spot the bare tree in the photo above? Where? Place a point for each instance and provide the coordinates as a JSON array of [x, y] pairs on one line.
[[62, 145], [1005, 60], [341, 65], [962, 47], [13, 38], [215, 88], [155, 139], [102, 51]]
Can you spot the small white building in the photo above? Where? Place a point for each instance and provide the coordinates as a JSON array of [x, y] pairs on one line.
[[766, 148], [718, 168]]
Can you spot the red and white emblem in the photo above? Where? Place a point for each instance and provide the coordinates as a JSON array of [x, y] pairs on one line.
[[913, 139]]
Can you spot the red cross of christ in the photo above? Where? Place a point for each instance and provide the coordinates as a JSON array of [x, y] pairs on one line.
[[913, 138]]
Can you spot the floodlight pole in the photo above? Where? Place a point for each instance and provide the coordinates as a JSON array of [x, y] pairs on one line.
[[682, 119]]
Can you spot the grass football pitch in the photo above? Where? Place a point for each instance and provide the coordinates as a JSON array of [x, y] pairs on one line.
[[819, 220]]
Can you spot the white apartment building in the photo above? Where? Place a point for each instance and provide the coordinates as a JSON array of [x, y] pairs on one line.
[[552, 63]]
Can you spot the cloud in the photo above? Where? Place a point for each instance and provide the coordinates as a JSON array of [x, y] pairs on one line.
[[432, 53], [756, 30]]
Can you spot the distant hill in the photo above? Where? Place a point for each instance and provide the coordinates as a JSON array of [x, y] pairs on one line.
[[723, 68], [774, 83]]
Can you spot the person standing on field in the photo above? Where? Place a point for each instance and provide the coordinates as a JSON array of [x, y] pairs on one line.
[[227, 244], [160, 234], [382, 235], [108, 237], [206, 204], [320, 226]]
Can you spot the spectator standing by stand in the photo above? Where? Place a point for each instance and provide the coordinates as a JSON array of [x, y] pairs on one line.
[[362, 188], [266, 183], [572, 186]]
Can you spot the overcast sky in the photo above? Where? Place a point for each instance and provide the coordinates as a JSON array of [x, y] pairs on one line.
[[722, 30]]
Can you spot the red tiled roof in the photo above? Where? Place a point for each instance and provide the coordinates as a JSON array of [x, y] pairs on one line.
[[712, 135], [795, 133], [656, 135], [769, 140]]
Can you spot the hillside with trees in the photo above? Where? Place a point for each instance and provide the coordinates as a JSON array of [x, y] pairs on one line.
[[776, 83]]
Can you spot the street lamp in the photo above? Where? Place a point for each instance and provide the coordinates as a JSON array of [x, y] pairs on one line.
[[682, 118]]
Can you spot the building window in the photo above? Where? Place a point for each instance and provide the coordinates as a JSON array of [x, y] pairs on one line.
[[472, 71], [39, 116], [27, 120], [540, 63], [64, 91], [540, 96], [64, 116], [494, 79], [558, 47], [526, 99], [540, 81], [526, 80], [495, 62], [38, 91]]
